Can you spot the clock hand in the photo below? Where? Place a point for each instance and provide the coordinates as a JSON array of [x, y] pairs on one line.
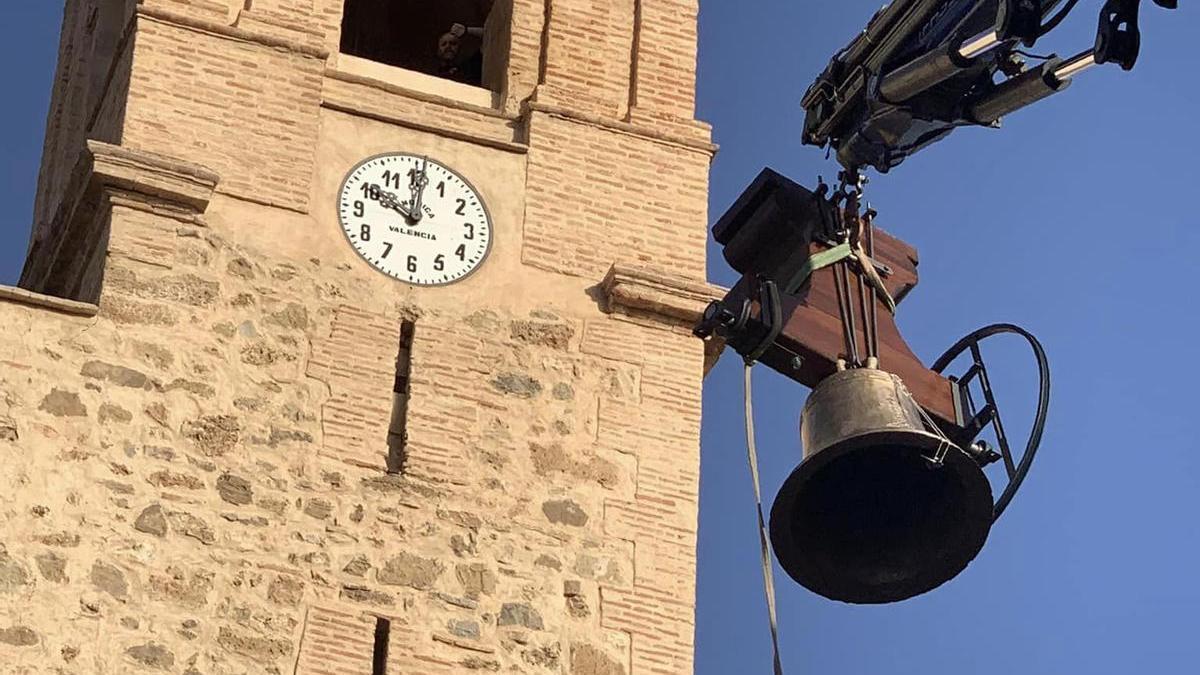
[[391, 201], [418, 182]]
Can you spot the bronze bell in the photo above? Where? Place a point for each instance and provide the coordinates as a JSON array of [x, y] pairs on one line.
[[880, 509]]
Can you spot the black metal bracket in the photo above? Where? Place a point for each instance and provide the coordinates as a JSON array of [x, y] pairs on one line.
[[771, 317], [989, 414], [719, 318], [1118, 39], [749, 337]]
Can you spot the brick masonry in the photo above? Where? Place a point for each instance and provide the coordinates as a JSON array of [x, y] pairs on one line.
[[195, 472]]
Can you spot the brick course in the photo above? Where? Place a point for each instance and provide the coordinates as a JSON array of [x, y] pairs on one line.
[[255, 129], [628, 207]]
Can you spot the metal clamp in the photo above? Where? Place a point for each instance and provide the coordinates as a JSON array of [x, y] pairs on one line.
[[771, 317], [751, 338], [1118, 39]]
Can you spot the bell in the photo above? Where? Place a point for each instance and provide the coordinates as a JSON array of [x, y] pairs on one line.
[[880, 509]]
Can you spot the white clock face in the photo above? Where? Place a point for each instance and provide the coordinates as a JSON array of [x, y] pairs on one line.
[[414, 219]]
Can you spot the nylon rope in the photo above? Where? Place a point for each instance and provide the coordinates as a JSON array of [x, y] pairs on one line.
[[768, 574], [944, 445]]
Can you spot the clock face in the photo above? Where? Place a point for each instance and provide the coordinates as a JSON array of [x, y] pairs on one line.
[[414, 219]]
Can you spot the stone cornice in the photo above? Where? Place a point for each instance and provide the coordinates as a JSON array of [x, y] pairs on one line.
[[23, 297], [158, 177], [644, 290], [654, 291], [338, 72], [61, 259], [489, 127]]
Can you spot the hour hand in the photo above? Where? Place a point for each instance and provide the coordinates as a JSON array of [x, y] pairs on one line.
[[391, 201]]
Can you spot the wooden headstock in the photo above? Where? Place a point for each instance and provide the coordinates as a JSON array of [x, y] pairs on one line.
[[771, 229]]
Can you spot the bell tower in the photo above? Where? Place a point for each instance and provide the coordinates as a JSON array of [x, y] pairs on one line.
[[260, 413]]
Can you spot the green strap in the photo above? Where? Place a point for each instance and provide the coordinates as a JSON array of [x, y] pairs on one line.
[[815, 262], [835, 255]]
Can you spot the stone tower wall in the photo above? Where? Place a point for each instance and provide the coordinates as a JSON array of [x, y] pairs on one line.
[[196, 379], [88, 96]]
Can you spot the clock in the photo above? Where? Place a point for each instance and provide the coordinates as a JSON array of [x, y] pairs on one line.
[[414, 219]]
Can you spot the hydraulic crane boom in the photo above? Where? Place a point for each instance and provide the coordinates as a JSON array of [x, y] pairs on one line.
[[922, 68]]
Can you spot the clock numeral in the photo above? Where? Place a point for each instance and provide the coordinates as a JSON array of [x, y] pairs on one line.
[[371, 191], [439, 263], [365, 233], [462, 206], [391, 180], [412, 263], [461, 252], [358, 209], [387, 249], [470, 231], [441, 188]]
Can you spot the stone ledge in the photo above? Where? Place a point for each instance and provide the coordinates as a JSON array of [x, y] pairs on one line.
[[174, 181], [649, 291], [658, 292], [67, 255], [414, 84], [344, 92], [23, 297]]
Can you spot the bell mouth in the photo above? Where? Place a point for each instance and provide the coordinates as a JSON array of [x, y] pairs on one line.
[[871, 520]]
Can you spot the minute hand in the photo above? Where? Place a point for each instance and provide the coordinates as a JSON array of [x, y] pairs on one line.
[[419, 181]]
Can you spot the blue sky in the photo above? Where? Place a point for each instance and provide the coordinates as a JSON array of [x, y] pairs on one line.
[[1074, 220]]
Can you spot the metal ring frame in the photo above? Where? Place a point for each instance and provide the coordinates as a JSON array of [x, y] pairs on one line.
[[1016, 472]]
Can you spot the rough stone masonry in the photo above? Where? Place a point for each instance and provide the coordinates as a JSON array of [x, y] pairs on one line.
[[196, 377]]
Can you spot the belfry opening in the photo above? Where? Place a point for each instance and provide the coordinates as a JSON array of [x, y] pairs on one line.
[[444, 39]]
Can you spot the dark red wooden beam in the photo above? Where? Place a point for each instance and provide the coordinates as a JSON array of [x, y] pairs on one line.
[[761, 232]]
